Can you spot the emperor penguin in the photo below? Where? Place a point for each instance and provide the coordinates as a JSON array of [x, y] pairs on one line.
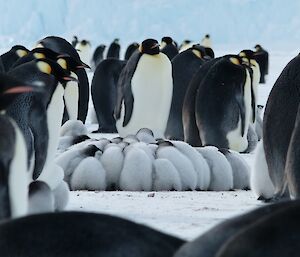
[[10, 57], [114, 49], [62, 46], [279, 124], [98, 55], [206, 41], [262, 58], [13, 153], [144, 91], [131, 49], [223, 105], [184, 66], [84, 50], [168, 47]]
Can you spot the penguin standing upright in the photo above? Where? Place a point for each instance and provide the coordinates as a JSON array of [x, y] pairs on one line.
[[62, 46], [104, 93], [262, 58], [144, 91], [279, 122], [130, 50], [223, 105], [74, 41], [168, 47], [98, 55], [84, 50], [13, 154], [10, 57], [114, 49], [184, 66], [206, 41]]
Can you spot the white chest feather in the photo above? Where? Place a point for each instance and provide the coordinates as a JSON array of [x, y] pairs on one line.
[[71, 97], [55, 112], [18, 178], [152, 88]]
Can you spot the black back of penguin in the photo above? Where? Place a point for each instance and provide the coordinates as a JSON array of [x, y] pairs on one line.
[[220, 102], [114, 49], [62, 46], [100, 235], [279, 122], [262, 58], [184, 66], [168, 47], [10, 57], [190, 129], [98, 55], [104, 93], [130, 50]]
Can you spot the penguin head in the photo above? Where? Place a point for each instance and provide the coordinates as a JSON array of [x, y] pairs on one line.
[[85, 42], [166, 41], [207, 36], [19, 50], [53, 68], [198, 50], [258, 47], [116, 41], [69, 63], [149, 46], [43, 52], [10, 88]]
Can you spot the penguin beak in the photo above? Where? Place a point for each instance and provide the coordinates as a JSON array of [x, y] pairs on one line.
[[83, 65], [18, 90], [69, 78]]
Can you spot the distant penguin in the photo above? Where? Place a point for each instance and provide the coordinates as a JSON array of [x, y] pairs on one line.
[[145, 87], [104, 93], [98, 56], [100, 235], [190, 129], [260, 181], [259, 122], [114, 50], [83, 48], [13, 154], [223, 105], [130, 50], [168, 47], [262, 58], [186, 44], [279, 123], [74, 41], [62, 46], [206, 41], [184, 66], [252, 139], [10, 57]]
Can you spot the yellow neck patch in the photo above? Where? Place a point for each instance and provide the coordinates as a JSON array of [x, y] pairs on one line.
[[44, 67], [197, 53], [21, 52], [62, 62], [39, 55], [234, 60], [242, 54], [39, 45]]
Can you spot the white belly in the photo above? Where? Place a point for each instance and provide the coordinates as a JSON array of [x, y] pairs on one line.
[[152, 88], [71, 97]]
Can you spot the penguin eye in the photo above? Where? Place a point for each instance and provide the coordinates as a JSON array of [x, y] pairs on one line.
[[44, 67], [62, 62], [39, 55], [21, 52], [234, 60], [197, 53]]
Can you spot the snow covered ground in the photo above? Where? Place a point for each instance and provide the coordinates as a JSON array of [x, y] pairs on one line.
[[184, 214]]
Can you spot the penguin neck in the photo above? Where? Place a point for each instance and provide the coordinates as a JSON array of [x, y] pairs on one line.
[[71, 97], [18, 178], [55, 112]]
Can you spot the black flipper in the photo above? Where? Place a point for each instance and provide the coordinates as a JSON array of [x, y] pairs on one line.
[[239, 97], [253, 102], [39, 128]]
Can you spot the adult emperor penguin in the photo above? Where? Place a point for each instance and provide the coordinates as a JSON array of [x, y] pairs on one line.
[[98, 55], [131, 49], [223, 105], [144, 91], [206, 41], [104, 93], [262, 58], [184, 66], [10, 57], [84, 50], [279, 123], [13, 154], [62, 46], [114, 49], [168, 47], [100, 235]]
